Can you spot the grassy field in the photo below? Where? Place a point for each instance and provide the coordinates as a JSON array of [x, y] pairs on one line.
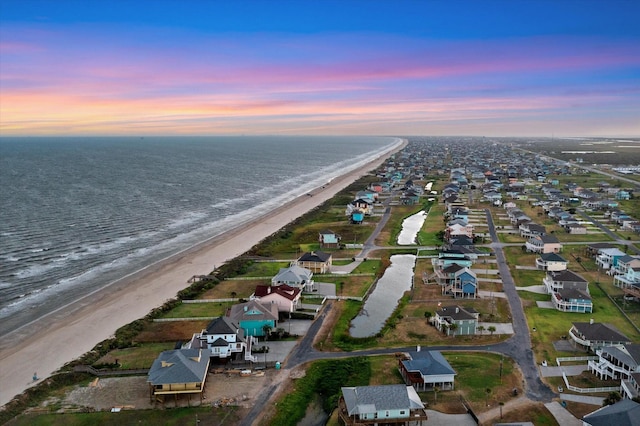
[[141, 356]]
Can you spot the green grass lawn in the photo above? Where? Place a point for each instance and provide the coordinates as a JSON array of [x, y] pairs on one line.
[[198, 310], [141, 356]]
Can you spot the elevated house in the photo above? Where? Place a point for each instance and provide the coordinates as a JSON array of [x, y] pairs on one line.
[[224, 340], [317, 262], [551, 262], [178, 372], [572, 300], [616, 362], [426, 370], [608, 258], [625, 263], [449, 257], [630, 388], [356, 217], [592, 336], [253, 317], [295, 276], [378, 405], [328, 239], [530, 230], [462, 283], [569, 291], [458, 230], [285, 297], [465, 320], [362, 205], [543, 244], [630, 279]]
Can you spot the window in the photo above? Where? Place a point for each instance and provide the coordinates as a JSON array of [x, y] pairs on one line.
[[402, 412]]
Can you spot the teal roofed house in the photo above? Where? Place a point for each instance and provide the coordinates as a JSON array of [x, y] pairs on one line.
[[328, 239], [254, 316]]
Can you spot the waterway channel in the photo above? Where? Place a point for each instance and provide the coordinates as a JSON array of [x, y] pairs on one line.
[[410, 228], [383, 300]]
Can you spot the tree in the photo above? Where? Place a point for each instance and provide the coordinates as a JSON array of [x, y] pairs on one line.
[[233, 294], [491, 329], [480, 328], [611, 399], [427, 314], [267, 330], [453, 327]]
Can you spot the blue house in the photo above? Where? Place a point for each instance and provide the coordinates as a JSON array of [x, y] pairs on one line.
[[254, 316], [357, 217]]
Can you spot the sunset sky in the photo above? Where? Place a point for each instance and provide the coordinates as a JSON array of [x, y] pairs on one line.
[[485, 68]]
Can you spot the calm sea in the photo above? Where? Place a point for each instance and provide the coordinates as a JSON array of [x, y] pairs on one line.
[[80, 213]]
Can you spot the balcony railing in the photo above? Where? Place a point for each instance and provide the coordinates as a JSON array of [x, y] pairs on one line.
[[414, 416]]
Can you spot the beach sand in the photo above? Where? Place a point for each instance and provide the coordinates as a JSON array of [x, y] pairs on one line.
[[46, 345]]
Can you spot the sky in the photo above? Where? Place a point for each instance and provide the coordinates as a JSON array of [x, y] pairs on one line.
[[370, 67]]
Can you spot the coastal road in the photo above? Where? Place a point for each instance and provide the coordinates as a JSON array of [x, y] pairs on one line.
[[518, 346]]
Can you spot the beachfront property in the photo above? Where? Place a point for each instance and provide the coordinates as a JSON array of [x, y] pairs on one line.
[[253, 317], [316, 261], [551, 262], [456, 320], [622, 413], [178, 372], [592, 336], [295, 276], [386, 404], [361, 204], [426, 370], [624, 264], [224, 340], [543, 244], [285, 297]]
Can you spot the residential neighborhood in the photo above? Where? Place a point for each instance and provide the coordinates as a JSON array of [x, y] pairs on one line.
[[523, 262]]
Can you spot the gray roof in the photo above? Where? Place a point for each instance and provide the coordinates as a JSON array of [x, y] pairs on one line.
[[254, 310], [573, 293], [224, 325], [547, 238], [566, 276], [179, 366], [294, 273], [371, 399], [456, 312], [428, 363], [552, 257], [600, 332], [623, 413], [630, 355]]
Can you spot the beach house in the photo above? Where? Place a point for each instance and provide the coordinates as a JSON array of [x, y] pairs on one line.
[[224, 340], [285, 297], [622, 413], [178, 372], [385, 404], [456, 320], [592, 336], [294, 276], [426, 370], [316, 261], [616, 362], [253, 317], [551, 262], [328, 239], [543, 244]]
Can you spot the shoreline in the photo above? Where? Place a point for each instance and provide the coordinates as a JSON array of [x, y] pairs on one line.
[[48, 343]]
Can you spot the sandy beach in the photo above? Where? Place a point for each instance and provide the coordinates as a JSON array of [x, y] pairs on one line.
[[47, 344]]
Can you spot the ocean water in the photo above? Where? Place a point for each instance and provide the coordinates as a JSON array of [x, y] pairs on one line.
[[80, 213]]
